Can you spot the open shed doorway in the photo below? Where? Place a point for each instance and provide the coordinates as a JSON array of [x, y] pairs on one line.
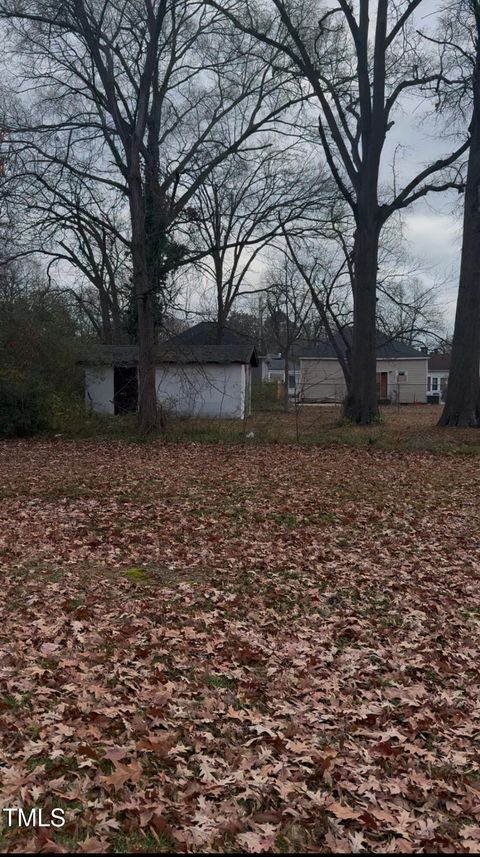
[[125, 389]]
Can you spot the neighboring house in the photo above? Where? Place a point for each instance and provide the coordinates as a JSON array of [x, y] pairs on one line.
[[275, 371], [437, 378], [260, 371], [195, 375], [401, 373]]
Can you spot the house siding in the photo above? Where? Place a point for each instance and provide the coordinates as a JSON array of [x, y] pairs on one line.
[[323, 379], [437, 388], [413, 388]]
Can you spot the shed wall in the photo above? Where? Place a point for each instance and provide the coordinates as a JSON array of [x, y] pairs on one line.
[[99, 389], [210, 390]]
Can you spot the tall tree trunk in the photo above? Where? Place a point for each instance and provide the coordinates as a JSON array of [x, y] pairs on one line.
[[147, 394], [118, 331], [221, 312], [361, 404], [461, 407], [107, 332], [285, 381], [117, 326]]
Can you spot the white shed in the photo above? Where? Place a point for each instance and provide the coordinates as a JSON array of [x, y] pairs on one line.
[[196, 375]]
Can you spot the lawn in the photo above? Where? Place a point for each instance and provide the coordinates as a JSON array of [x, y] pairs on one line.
[[410, 427], [243, 646]]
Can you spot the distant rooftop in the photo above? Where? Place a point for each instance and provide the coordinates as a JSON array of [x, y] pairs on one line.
[[387, 349], [439, 362]]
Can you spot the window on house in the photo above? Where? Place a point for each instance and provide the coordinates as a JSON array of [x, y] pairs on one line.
[[434, 385], [429, 384], [291, 380], [443, 383]]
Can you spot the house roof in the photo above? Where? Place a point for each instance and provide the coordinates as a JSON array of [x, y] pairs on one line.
[[439, 362], [387, 349], [277, 364], [198, 344]]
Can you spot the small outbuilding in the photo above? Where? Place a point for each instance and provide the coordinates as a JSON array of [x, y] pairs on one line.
[[196, 375]]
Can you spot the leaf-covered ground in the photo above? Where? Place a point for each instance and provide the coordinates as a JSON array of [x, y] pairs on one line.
[[240, 648]]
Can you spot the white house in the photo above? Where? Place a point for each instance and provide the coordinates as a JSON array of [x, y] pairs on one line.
[[437, 378], [275, 371], [195, 375], [401, 373]]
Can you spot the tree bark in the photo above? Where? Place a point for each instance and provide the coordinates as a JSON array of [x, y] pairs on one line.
[[361, 404], [105, 314], [461, 407], [147, 394], [117, 324], [285, 381]]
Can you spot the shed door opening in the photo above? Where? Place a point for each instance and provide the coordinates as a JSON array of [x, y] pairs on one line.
[[125, 389]]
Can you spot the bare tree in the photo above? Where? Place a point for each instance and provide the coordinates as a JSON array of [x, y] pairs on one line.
[[358, 71], [82, 235], [327, 275], [243, 207], [288, 305], [140, 96], [406, 309]]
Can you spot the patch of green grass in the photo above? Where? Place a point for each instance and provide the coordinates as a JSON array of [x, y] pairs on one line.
[[61, 765], [237, 514], [140, 842], [286, 518], [219, 681], [14, 604], [135, 574], [282, 844], [48, 663], [109, 648], [8, 701], [55, 574], [75, 603]]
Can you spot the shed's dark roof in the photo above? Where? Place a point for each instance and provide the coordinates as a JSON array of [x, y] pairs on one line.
[[197, 345], [439, 362], [387, 349]]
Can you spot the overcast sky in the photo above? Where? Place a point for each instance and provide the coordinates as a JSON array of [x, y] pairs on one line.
[[432, 228]]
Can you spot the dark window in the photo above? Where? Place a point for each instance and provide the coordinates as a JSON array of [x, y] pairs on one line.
[[125, 389]]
